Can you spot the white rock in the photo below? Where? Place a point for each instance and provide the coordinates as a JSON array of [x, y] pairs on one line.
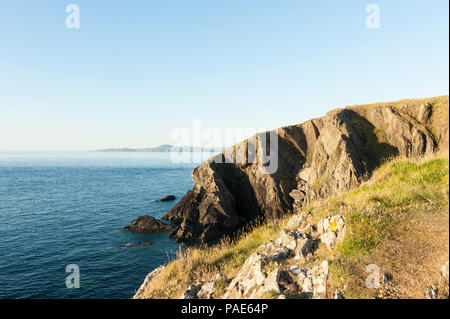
[[312, 282], [270, 285], [249, 278], [331, 230], [207, 291], [445, 271], [329, 239], [274, 251], [295, 222], [338, 295], [191, 292], [431, 292]]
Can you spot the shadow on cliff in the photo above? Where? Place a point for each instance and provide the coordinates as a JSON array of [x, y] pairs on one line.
[[253, 193], [375, 150]]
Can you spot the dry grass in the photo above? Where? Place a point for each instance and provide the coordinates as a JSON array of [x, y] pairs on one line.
[[204, 263]]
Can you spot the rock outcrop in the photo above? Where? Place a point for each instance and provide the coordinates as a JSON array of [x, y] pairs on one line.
[[263, 273], [167, 198], [445, 271], [139, 243], [317, 159], [148, 224]]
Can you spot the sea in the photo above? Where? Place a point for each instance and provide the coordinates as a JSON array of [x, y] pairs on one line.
[[59, 209]]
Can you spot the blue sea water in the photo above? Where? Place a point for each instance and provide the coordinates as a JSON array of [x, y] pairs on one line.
[[58, 209]]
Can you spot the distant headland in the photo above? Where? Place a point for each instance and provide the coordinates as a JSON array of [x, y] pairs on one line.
[[166, 148]]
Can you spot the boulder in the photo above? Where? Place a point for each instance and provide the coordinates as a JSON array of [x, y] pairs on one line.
[[331, 230], [312, 283], [148, 224], [295, 222], [270, 285], [145, 243], [274, 251], [191, 292], [139, 243], [167, 198], [253, 279], [301, 245]]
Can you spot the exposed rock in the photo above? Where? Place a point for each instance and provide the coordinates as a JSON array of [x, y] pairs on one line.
[[221, 277], [312, 283], [253, 281], [300, 244], [148, 224], [331, 230], [445, 271], [191, 292], [145, 243], [207, 291], [295, 222], [432, 292], [317, 159], [274, 251], [139, 243], [270, 285], [338, 295], [249, 279], [386, 278], [167, 198]]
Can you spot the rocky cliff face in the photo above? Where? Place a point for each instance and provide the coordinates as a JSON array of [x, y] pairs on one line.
[[319, 158]]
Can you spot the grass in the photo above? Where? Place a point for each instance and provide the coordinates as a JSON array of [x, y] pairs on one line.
[[206, 262], [402, 196], [397, 218]]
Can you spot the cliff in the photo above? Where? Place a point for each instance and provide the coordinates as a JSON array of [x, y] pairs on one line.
[[367, 185], [276, 173]]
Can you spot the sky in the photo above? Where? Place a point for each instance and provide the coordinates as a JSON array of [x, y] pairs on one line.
[[135, 72]]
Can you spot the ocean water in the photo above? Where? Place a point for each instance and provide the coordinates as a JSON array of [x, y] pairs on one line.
[[58, 209]]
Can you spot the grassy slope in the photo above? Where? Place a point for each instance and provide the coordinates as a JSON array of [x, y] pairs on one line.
[[398, 220]]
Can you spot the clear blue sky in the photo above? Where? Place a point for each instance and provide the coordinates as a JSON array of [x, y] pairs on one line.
[[135, 70]]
